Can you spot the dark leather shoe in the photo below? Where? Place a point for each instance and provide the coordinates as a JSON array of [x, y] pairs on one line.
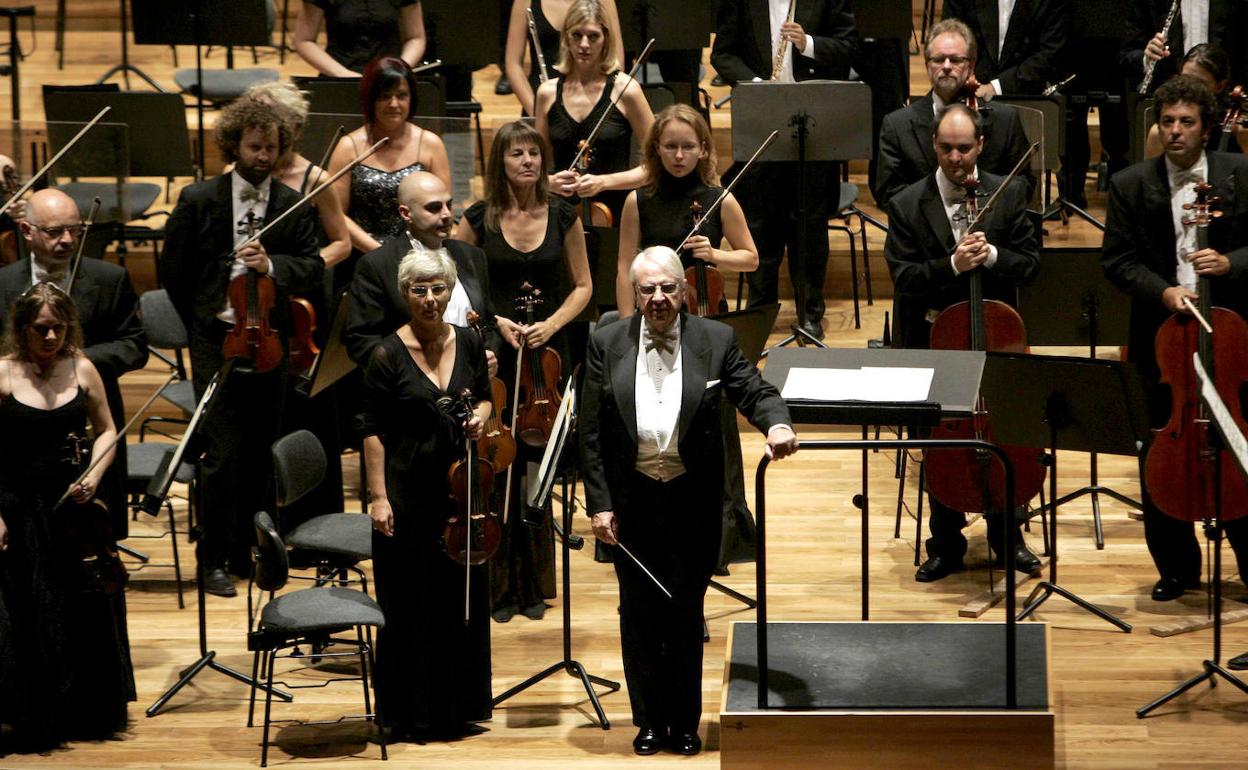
[[217, 583], [648, 741], [686, 743], [1239, 662], [1024, 561], [813, 328], [502, 86], [1170, 588], [937, 567]]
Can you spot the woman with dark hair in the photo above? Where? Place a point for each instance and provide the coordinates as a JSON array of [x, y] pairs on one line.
[[369, 194], [65, 670], [529, 237], [1208, 63], [357, 32], [569, 107]]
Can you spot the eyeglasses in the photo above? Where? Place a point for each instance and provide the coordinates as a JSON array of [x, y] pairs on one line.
[[420, 290], [648, 289], [43, 329], [956, 61], [673, 148], [56, 232]]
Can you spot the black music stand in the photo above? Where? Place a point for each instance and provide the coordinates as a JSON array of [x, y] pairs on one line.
[[1100, 318], [555, 456], [332, 363], [12, 69], [190, 449], [204, 23], [682, 26], [1228, 438], [466, 36], [830, 121], [1074, 404], [125, 67]]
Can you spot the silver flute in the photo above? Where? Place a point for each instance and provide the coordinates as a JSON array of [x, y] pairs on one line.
[[1150, 65]]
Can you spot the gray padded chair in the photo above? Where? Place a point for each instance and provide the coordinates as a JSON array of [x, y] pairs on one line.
[[224, 86], [308, 616], [165, 331], [142, 463]]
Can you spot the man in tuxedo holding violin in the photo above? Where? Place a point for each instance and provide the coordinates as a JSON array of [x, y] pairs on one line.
[[1151, 254], [377, 307], [928, 255], [211, 220], [651, 446]]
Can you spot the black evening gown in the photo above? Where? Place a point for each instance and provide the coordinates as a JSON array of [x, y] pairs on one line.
[[358, 31], [65, 671], [613, 146], [549, 38], [433, 672], [523, 572]]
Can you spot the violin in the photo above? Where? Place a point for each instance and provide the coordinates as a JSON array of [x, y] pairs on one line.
[[253, 295], [472, 535], [1178, 470], [969, 94], [302, 341], [968, 479], [536, 393], [1231, 119], [706, 283], [88, 537], [496, 443], [10, 249]]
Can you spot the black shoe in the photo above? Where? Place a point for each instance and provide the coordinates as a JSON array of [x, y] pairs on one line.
[[686, 743], [1239, 662], [1024, 561], [1170, 588], [504, 614], [535, 611], [937, 567], [648, 741], [813, 328], [502, 86], [217, 583], [718, 81]]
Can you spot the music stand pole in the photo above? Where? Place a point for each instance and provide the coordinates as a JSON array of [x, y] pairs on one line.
[[125, 68]]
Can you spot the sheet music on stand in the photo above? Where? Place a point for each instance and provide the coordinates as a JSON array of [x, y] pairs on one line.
[[548, 470], [1231, 434], [866, 383]]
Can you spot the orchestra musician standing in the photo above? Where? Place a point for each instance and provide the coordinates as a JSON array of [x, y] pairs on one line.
[[1020, 44], [357, 32], [928, 256], [1197, 21], [818, 43], [651, 446], [1150, 253], [211, 220]]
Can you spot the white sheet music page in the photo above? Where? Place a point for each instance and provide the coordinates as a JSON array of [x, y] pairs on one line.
[[869, 383]]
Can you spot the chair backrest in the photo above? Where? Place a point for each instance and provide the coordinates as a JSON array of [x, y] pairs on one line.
[[161, 322], [272, 563], [298, 466]]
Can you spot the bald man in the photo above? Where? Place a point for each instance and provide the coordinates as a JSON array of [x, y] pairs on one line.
[[377, 306], [107, 307]]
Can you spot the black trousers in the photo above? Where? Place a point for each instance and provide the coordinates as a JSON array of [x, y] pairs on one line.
[[948, 541], [236, 473], [661, 639]]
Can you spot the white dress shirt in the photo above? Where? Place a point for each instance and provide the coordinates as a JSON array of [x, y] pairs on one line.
[[257, 208], [658, 396], [1182, 191], [457, 308], [1005, 9], [953, 197], [778, 12], [38, 274]]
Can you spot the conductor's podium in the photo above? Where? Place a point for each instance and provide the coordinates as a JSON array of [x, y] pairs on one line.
[[886, 695]]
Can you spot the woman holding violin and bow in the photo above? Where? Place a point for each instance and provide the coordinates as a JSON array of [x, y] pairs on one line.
[[65, 671], [539, 282], [433, 656]]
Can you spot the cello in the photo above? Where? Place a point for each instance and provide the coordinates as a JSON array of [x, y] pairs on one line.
[[1179, 471], [967, 479], [252, 296]]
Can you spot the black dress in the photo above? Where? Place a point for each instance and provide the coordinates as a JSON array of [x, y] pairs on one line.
[[548, 37], [613, 146], [65, 670], [358, 31], [523, 572], [433, 672]]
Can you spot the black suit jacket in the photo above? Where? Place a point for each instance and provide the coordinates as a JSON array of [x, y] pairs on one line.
[[906, 153], [199, 237], [920, 243], [108, 310], [712, 365], [1034, 43], [1145, 18], [743, 37], [1139, 250], [377, 307]]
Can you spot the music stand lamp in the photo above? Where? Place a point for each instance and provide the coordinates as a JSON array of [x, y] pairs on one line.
[[556, 456], [1226, 438], [830, 121], [1073, 404]]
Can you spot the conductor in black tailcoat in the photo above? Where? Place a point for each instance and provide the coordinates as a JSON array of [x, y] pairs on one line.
[[651, 446]]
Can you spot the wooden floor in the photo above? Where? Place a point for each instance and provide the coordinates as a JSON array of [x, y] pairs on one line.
[[1101, 675]]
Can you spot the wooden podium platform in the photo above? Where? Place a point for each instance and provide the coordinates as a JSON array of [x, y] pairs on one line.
[[886, 695]]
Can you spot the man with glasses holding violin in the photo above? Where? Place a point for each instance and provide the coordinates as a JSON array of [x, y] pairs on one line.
[[108, 310], [906, 153], [651, 446]]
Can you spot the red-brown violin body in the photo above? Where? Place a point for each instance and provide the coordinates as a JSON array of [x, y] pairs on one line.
[[537, 384], [472, 535], [253, 296], [92, 548], [496, 443], [302, 341], [705, 284]]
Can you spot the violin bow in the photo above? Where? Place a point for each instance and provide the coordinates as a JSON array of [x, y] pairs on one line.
[[697, 227], [82, 241], [68, 145], [121, 435], [471, 459], [992, 199], [315, 192], [632, 74], [515, 410], [329, 150]]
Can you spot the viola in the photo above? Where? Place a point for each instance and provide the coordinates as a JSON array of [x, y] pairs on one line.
[[536, 394], [88, 537], [706, 283], [967, 479], [472, 535], [10, 250], [253, 296], [969, 94], [302, 341], [496, 443], [1179, 470], [1231, 119]]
